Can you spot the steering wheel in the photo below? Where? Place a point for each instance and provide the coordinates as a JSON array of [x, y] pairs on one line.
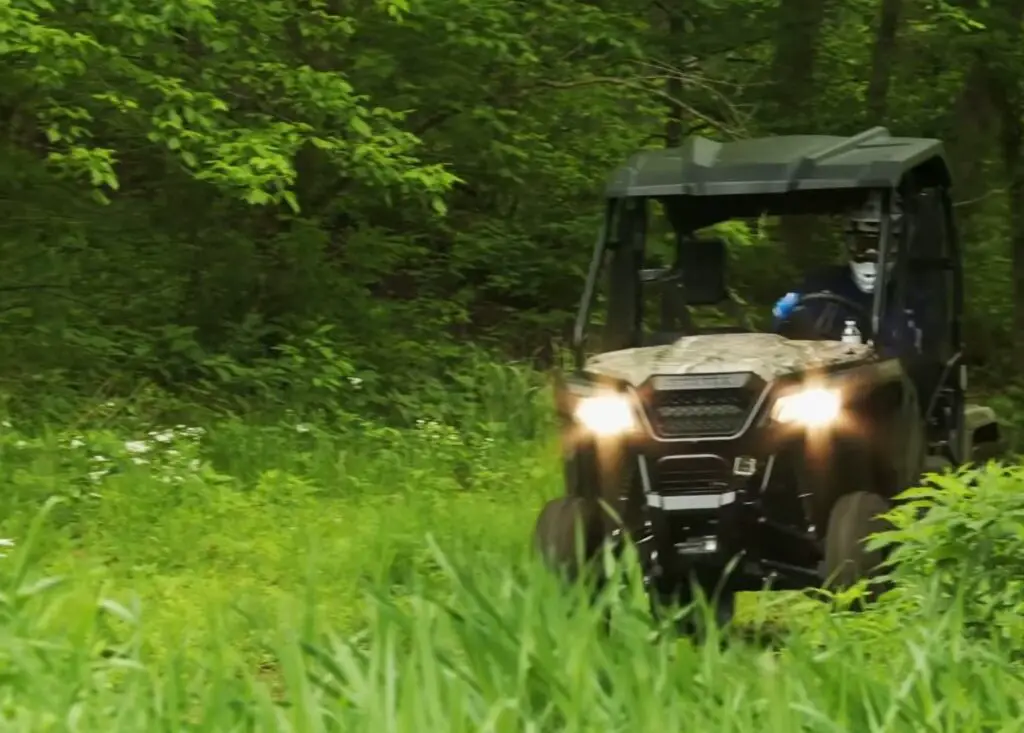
[[864, 315]]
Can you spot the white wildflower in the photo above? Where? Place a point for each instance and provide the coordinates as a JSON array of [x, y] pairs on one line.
[[136, 446], [139, 461], [76, 443], [6, 545], [162, 436], [302, 428]]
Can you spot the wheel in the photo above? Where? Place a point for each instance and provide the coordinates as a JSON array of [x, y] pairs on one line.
[[982, 453], [853, 519], [932, 464], [559, 524], [936, 464]]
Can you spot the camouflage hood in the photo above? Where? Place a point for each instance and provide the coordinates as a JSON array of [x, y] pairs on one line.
[[770, 356]]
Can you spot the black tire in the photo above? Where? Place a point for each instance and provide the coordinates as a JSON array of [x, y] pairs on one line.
[[853, 519], [932, 464], [936, 464], [723, 611], [559, 524], [985, 452]]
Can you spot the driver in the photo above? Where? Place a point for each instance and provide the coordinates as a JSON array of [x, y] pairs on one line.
[[854, 281]]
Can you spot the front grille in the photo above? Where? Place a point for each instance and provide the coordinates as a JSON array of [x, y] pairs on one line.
[[693, 413], [692, 475]]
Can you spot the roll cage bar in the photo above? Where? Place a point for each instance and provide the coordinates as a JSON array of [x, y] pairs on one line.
[[744, 205]]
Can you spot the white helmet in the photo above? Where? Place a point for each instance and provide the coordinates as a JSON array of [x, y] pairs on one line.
[[862, 233]]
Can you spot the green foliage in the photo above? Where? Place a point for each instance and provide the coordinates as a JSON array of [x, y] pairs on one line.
[[959, 544], [193, 194], [227, 520], [184, 77], [264, 268], [312, 578]]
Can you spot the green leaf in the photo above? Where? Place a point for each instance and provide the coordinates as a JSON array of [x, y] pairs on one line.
[[359, 126]]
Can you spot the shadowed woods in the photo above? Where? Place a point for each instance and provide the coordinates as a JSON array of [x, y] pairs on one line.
[[270, 450]]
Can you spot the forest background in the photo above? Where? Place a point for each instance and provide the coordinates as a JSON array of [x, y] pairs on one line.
[[280, 283], [193, 190]]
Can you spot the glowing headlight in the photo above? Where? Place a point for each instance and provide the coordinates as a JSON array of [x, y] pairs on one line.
[[607, 414], [813, 408]]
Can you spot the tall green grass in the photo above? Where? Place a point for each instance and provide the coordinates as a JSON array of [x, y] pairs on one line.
[[487, 645], [245, 516], [294, 577]]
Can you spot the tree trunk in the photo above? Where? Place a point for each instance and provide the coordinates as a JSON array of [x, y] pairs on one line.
[[1011, 139], [974, 128], [883, 58], [798, 33], [674, 88], [1015, 193], [1007, 99], [796, 50]]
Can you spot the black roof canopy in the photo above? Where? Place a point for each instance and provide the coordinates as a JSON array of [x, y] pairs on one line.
[[779, 165]]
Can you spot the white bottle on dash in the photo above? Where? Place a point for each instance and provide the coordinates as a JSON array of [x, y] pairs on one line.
[[851, 334]]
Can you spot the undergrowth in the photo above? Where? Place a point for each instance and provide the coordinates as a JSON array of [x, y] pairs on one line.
[[339, 574]]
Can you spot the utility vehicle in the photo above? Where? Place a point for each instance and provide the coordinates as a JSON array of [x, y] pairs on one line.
[[767, 453]]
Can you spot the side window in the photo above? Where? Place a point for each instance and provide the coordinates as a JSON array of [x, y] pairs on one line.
[[664, 313], [929, 277]]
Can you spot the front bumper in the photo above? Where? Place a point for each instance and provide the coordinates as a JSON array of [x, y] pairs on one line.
[[708, 479], [729, 504], [702, 506]]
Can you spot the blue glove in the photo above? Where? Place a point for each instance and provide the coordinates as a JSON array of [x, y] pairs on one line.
[[785, 306]]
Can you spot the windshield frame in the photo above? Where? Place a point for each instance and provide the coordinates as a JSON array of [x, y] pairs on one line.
[[688, 214]]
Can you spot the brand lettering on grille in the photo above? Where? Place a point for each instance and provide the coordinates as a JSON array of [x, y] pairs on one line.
[[700, 381]]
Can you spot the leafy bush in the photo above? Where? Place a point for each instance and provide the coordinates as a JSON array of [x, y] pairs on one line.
[[958, 544]]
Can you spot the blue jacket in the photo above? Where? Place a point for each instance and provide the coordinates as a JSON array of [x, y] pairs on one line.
[[898, 331]]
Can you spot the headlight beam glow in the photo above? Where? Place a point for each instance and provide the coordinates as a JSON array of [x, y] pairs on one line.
[[812, 408], [606, 415]]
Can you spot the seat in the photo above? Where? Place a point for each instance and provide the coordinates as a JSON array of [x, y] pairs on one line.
[[697, 279]]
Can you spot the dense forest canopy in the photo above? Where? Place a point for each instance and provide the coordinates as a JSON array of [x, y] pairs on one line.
[[208, 196]]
